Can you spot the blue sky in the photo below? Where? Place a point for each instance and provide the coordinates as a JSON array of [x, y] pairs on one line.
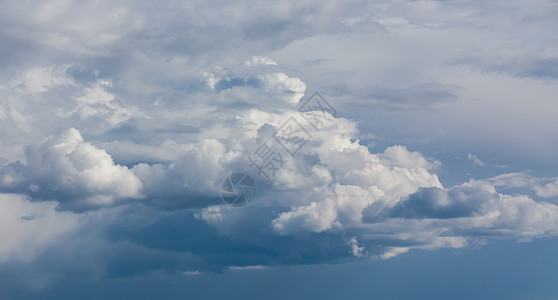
[[431, 174]]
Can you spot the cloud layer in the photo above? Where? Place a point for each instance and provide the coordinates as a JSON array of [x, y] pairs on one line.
[[119, 122]]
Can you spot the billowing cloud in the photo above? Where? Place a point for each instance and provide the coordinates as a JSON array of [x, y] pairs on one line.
[[389, 202], [72, 172], [119, 122]]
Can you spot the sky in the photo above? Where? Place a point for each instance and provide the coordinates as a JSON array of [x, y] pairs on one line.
[[289, 149]]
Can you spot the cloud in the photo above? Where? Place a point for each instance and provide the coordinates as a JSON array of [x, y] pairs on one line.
[[388, 202], [281, 82], [355, 249], [120, 120], [99, 104], [76, 174], [29, 228], [260, 61], [427, 95], [40, 79], [543, 187], [548, 190], [439, 203], [476, 161], [315, 217], [68, 26], [476, 210]]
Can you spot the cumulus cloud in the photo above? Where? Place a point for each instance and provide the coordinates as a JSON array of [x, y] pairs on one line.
[[130, 115], [548, 190], [359, 179], [75, 173], [316, 217], [471, 212], [390, 201], [281, 82]]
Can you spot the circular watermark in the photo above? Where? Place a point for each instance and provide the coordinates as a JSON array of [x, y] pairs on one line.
[[238, 189]]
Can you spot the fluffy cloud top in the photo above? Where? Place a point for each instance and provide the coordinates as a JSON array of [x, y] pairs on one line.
[[76, 174]]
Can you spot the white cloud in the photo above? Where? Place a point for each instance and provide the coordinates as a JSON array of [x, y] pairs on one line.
[[400, 156], [314, 217], [201, 166], [40, 79], [469, 213], [245, 268], [29, 228], [394, 251], [75, 173], [548, 190], [97, 102], [260, 61], [543, 187], [476, 161], [355, 249], [70, 25], [141, 81], [282, 83]]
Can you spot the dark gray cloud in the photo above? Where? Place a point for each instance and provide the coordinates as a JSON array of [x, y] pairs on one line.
[[442, 204], [424, 96]]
